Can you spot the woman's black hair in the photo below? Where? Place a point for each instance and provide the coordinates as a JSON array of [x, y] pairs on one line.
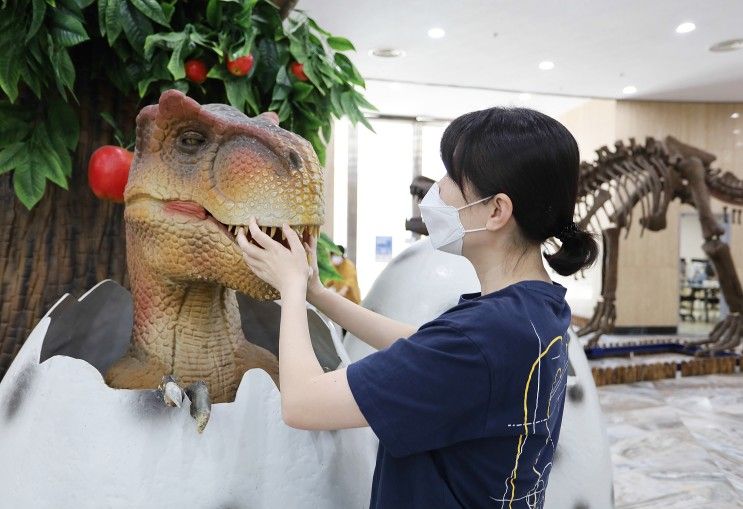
[[533, 159]]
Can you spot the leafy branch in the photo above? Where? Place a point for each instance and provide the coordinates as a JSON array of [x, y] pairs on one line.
[[297, 69]]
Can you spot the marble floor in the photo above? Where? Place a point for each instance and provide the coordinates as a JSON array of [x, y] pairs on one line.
[[677, 443]]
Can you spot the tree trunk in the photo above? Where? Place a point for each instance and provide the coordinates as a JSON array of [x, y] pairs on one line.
[[70, 240]]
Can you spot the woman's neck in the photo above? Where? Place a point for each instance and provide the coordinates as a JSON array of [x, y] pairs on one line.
[[497, 271]]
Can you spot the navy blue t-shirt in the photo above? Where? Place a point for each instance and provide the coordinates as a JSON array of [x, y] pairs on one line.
[[468, 409]]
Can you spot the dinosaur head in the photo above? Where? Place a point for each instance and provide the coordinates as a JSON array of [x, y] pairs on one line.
[[198, 173]]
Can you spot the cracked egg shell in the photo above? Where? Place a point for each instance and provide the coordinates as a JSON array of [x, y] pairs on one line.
[[69, 440]]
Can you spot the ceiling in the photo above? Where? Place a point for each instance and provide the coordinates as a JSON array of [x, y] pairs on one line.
[[598, 46]]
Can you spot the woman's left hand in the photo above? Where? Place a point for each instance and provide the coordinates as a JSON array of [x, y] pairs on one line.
[[284, 269]]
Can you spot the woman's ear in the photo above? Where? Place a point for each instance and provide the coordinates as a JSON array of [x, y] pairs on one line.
[[501, 210]]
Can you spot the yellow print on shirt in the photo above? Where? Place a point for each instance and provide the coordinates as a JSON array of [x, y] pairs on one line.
[[523, 436]]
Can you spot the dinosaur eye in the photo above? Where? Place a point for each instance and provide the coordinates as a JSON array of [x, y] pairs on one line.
[[191, 141]]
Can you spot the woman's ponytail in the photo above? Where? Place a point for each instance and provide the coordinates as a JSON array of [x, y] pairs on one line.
[[578, 251]]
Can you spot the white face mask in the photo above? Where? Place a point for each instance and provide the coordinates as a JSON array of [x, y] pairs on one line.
[[445, 229]]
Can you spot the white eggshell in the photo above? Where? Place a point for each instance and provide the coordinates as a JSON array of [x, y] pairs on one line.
[[67, 440]]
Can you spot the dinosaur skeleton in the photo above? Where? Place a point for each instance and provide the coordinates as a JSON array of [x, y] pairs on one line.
[[651, 176]]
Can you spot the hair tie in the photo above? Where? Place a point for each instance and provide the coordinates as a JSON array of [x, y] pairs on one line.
[[568, 231]]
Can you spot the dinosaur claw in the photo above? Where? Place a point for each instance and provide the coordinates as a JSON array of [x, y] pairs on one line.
[[198, 392], [201, 405], [173, 394]]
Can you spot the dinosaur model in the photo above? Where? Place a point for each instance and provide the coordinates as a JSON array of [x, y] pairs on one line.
[[651, 176], [200, 172]]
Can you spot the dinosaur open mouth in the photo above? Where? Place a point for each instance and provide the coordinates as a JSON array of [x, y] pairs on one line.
[[304, 231]]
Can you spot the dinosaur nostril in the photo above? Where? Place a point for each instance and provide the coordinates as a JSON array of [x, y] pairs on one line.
[[295, 162]]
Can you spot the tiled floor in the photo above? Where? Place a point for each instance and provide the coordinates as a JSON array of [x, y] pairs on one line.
[[677, 443]]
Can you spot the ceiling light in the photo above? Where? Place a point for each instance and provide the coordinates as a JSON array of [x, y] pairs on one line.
[[524, 97], [387, 53], [736, 131], [546, 65], [629, 89], [686, 27], [729, 45], [436, 33], [735, 115]]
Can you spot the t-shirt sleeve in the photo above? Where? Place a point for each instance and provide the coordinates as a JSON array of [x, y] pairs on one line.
[[425, 392]]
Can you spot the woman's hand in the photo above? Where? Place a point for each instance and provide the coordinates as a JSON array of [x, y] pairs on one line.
[[314, 286], [284, 269]]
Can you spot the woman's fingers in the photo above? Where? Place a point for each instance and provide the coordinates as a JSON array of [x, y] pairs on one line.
[[292, 238], [245, 244], [260, 237]]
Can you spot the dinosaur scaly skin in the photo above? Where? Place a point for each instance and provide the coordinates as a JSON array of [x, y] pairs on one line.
[[198, 173], [652, 175]]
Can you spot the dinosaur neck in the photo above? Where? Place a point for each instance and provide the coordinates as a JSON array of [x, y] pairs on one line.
[[191, 328]]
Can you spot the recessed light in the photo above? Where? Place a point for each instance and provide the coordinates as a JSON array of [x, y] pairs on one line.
[[524, 97], [436, 33], [686, 27], [546, 65], [735, 115], [736, 131], [629, 89], [387, 53], [729, 45]]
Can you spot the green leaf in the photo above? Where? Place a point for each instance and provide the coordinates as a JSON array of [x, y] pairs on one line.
[[250, 99], [10, 73], [285, 111], [335, 101], [235, 90], [67, 29], [63, 121], [175, 64], [113, 23], [349, 107], [39, 9], [314, 25], [151, 9], [361, 102], [301, 90], [28, 183], [45, 160], [348, 69], [63, 70], [11, 156], [213, 13], [340, 43], [327, 131], [136, 26], [102, 6], [170, 40]]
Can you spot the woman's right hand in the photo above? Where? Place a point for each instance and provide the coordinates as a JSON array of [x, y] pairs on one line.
[[314, 285]]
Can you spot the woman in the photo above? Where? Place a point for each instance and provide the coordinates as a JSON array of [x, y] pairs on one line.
[[467, 408]]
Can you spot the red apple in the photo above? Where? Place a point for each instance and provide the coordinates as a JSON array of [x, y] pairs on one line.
[[195, 70], [108, 171], [241, 65], [297, 70]]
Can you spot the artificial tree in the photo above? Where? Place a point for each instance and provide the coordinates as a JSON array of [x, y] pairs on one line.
[[74, 73]]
